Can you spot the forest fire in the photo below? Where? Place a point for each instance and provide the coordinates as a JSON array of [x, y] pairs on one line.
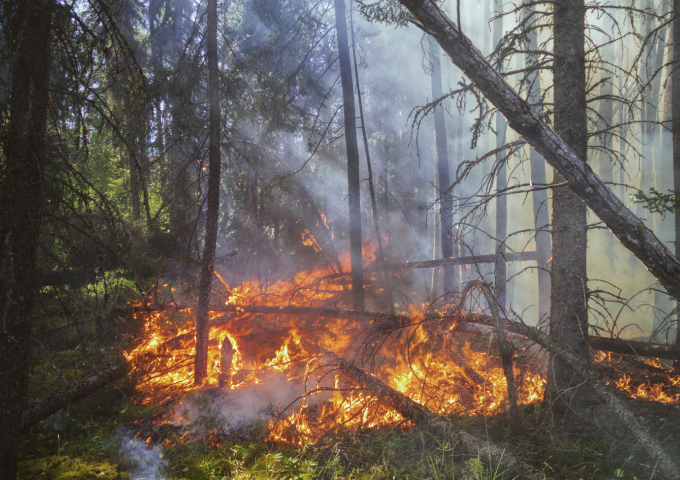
[[248, 349]]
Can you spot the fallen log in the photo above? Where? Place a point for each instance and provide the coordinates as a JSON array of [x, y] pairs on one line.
[[614, 345], [51, 405], [633, 347], [380, 319], [384, 320], [444, 262], [496, 457]]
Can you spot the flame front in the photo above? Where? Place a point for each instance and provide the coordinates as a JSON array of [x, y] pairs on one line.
[[411, 361]]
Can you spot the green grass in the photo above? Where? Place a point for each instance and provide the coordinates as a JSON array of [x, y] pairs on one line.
[[90, 447]]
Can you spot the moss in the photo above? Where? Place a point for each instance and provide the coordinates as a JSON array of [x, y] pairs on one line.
[[69, 468]]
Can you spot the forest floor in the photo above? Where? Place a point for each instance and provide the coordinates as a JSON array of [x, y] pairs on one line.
[[110, 436]]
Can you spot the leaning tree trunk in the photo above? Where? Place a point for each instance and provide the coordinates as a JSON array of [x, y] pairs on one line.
[[21, 185], [445, 199], [358, 298], [538, 177], [580, 178], [569, 317], [208, 266]]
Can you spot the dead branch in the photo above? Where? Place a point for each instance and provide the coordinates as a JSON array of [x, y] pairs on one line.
[[521, 117], [475, 259], [63, 399]]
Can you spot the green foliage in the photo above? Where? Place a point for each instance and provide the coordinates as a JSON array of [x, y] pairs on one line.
[[390, 12], [656, 202], [69, 468]]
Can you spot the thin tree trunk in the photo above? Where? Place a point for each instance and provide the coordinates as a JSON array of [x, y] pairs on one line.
[[569, 317], [21, 186], [444, 180], [627, 227], [675, 112], [539, 197], [501, 270], [371, 186], [358, 296], [208, 266]]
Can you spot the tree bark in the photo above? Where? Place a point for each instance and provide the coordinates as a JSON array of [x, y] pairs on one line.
[[664, 464], [569, 318], [208, 266], [27, 34], [358, 297], [371, 185], [445, 200], [501, 267], [675, 112], [627, 227]]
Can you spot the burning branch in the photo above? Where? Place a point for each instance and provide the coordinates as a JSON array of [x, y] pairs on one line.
[[387, 321], [494, 455]]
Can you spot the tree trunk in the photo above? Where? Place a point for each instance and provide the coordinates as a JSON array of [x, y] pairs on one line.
[[675, 112], [569, 317], [358, 298], [539, 197], [444, 181], [208, 266], [21, 185], [627, 227], [501, 269], [374, 204]]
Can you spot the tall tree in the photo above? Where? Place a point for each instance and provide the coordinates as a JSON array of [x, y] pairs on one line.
[[538, 176], [443, 176], [358, 297], [501, 271], [208, 265], [26, 29], [569, 313], [675, 112]]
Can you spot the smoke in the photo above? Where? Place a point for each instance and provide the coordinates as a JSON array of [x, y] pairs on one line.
[[143, 462], [229, 410]]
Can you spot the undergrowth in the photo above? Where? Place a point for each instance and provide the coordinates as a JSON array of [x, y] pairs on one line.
[[129, 443]]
